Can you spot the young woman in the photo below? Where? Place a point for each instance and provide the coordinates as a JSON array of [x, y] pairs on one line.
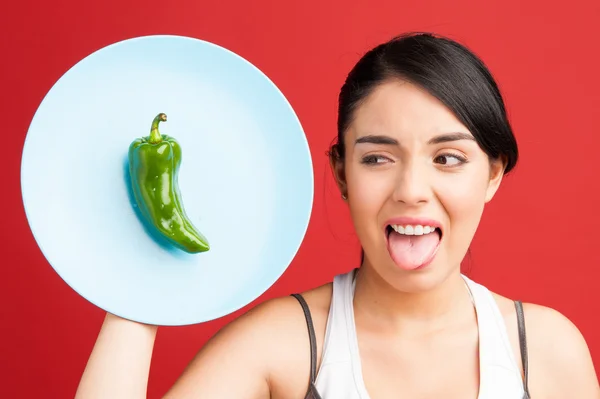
[[423, 144]]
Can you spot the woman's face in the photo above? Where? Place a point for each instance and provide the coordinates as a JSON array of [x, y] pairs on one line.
[[411, 166]]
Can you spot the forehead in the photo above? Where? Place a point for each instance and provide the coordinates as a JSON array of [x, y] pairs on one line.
[[399, 107]]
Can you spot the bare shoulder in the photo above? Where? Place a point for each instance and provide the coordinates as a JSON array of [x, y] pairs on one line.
[[290, 362], [265, 351], [560, 363], [281, 321]]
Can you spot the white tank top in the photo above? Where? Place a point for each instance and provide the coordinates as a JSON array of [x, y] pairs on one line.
[[340, 376]]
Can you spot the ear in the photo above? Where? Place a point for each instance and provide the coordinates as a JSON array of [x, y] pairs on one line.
[[337, 167], [497, 167]]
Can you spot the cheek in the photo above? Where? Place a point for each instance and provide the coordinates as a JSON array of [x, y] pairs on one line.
[[368, 192], [463, 199]]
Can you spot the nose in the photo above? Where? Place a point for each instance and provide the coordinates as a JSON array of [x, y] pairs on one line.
[[412, 186]]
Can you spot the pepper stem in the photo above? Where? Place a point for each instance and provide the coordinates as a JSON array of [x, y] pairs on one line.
[[155, 136]]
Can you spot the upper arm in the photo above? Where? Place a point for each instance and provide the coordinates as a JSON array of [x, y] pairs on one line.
[[236, 362], [560, 362]]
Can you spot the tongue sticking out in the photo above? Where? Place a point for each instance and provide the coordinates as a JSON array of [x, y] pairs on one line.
[[411, 251]]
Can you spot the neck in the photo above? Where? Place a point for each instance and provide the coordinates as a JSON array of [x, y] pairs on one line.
[[424, 309]]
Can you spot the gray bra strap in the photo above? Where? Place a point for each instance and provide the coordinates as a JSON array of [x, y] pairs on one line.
[[312, 390], [523, 345]]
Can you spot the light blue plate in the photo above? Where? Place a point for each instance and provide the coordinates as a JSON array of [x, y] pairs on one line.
[[246, 179]]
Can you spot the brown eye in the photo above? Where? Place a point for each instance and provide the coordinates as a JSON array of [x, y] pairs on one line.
[[373, 159], [450, 160]]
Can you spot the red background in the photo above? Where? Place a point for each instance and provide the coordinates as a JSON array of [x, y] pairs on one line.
[[537, 241]]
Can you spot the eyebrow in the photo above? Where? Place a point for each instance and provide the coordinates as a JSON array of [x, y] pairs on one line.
[[376, 139], [386, 140], [445, 138]]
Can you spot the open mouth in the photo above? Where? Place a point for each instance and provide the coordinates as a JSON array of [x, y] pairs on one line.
[[412, 230], [413, 246]]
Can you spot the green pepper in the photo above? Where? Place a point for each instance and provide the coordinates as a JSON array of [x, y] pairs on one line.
[[154, 163]]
